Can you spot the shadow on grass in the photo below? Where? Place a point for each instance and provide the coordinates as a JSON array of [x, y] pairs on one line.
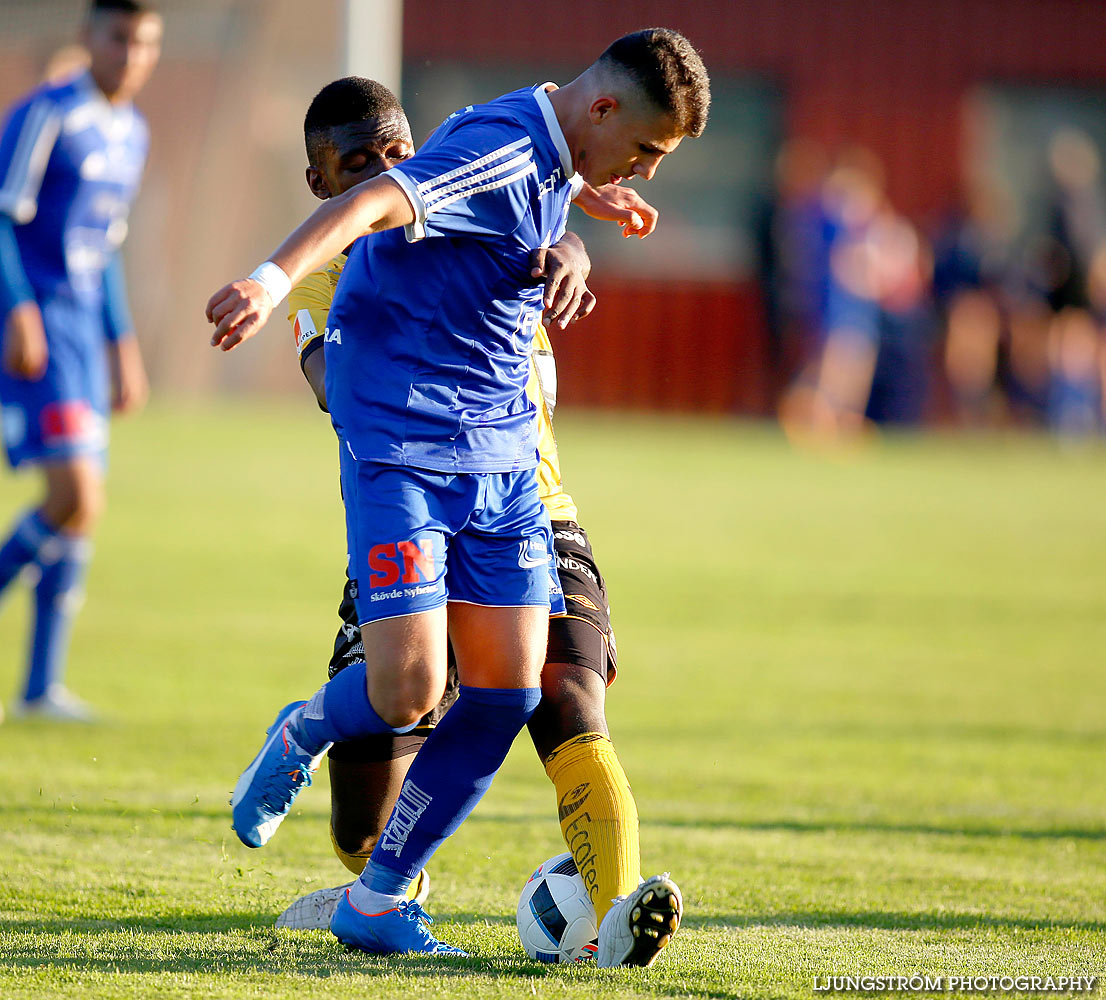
[[110, 809], [156, 945], [878, 826], [891, 920], [836, 826]]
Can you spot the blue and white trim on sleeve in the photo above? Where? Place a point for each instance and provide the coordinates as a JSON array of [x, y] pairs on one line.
[[37, 135], [489, 172]]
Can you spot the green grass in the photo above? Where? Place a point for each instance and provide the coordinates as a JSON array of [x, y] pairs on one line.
[[861, 702]]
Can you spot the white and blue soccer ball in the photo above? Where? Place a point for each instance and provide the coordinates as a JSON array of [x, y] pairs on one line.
[[555, 918]]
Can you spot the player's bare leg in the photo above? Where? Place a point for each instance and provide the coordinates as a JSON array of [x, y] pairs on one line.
[[402, 678], [499, 654], [405, 665]]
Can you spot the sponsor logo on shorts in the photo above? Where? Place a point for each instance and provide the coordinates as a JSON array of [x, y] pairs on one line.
[[410, 805], [567, 562], [532, 552], [71, 422], [581, 599], [394, 564], [572, 536], [15, 426], [413, 560]]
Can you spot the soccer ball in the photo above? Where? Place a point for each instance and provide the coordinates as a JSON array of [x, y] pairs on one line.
[[555, 918]]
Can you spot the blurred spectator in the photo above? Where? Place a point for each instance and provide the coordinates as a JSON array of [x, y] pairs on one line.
[[1023, 315], [792, 286], [971, 265], [1077, 291], [868, 304]]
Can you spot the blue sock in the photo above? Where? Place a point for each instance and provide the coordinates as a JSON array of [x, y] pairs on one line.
[[22, 545], [339, 710], [452, 771], [57, 598]]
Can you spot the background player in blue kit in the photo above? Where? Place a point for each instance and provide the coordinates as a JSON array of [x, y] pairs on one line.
[[430, 403], [71, 157]]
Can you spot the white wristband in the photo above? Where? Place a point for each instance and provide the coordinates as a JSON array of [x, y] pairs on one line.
[[272, 278]]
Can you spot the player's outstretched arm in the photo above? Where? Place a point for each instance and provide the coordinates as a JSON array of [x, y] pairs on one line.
[[241, 308], [565, 266], [615, 203]]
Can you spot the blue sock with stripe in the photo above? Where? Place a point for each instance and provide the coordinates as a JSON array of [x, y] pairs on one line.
[[58, 594], [22, 545], [340, 710], [453, 769]]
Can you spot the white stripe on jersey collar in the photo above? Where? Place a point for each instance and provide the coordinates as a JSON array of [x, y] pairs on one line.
[[541, 95]]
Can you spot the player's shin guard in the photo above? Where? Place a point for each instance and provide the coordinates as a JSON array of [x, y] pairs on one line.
[[20, 548], [58, 596], [598, 816], [450, 774], [340, 710]]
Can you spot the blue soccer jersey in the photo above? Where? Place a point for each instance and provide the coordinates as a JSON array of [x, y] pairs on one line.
[[70, 164], [429, 335]]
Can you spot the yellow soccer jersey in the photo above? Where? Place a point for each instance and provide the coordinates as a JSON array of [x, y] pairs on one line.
[[308, 306], [542, 389], [309, 303]]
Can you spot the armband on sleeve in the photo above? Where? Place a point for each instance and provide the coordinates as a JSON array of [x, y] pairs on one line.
[[309, 305], [308, 338]]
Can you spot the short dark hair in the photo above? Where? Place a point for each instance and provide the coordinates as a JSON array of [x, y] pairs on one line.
[[350, 99], [668, 70], [121, 7]]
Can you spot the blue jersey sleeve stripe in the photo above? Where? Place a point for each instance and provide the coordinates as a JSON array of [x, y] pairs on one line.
[[490, 186], [415, 231], [19, 193], [476, 182], [476, 165]]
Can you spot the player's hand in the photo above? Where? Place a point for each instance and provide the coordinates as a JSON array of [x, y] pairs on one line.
[[130, 388], [238, 311], [616, 203], [25, 350], [564, 267]]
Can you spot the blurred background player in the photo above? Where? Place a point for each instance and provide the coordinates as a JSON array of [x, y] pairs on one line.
[[444, 444], [355, 129], [71, 157]]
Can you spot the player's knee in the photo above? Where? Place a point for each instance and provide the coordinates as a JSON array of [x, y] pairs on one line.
[[406, 701], [74, 502]]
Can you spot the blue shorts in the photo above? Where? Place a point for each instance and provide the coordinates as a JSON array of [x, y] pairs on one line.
[[419, 539], [64, 414]]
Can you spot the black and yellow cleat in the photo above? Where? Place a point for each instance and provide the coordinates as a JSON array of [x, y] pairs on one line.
[[640, 924]]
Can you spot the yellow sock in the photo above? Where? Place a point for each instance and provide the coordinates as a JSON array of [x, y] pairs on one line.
[[598, 816], [354, 862]]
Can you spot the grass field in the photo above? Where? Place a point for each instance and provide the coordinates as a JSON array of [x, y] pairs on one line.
[[862, 703]]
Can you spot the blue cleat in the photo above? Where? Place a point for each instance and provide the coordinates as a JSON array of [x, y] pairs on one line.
[[401, 929], [269, 786]]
